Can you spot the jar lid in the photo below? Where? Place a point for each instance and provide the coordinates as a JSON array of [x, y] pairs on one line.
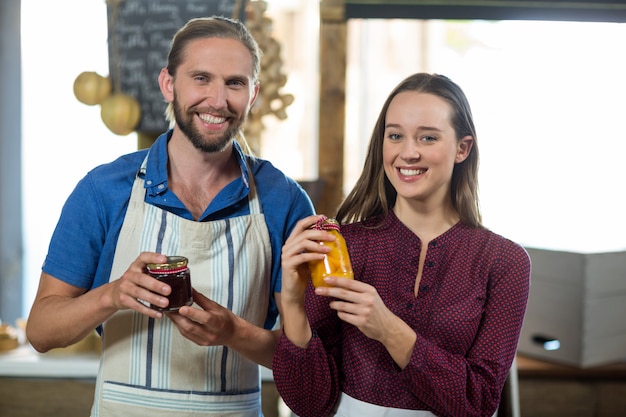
[[172, 263], [325, 223]]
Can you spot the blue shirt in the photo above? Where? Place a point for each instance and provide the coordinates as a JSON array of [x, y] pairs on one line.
[[83, 243]]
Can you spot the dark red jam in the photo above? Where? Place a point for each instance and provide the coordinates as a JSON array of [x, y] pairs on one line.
[[175, 273]]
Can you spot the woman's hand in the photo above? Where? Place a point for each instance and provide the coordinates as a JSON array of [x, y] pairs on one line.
[[359, 304], [301, 247]]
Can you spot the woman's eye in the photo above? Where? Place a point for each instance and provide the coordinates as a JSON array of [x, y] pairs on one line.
[[394, 136], [429, 138]]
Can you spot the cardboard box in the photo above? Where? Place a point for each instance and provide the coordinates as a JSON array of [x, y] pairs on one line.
[[576, 311]]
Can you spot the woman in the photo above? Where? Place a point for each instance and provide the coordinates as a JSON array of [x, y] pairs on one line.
[[430, 325]]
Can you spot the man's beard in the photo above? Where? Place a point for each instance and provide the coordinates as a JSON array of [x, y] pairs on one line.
[[186, 125]]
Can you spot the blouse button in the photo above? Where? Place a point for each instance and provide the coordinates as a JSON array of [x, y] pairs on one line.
[[431, 264]]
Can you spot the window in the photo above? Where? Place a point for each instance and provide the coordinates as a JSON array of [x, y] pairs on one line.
[[547, 99]]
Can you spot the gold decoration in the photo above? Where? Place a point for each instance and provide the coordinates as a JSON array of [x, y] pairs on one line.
[[91, 88], [121, 113]]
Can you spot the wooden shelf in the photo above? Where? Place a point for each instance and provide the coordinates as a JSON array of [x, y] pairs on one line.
[[548, 389], [531, 367]]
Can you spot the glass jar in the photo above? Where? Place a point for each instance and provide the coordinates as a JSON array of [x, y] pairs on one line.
[[175, 273], [337, 261]]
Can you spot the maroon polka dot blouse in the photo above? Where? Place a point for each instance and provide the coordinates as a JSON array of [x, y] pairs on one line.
[[467, 315]]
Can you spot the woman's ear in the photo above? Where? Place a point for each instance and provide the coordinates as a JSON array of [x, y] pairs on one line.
[[464, 148]]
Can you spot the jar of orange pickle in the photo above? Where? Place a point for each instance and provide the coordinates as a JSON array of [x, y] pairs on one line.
[[336, 262]]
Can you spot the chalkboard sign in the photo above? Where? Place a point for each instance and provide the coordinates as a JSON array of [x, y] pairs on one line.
[[140, 33]]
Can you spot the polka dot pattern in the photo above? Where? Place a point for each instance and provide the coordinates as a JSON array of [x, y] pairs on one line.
[[467, 315]]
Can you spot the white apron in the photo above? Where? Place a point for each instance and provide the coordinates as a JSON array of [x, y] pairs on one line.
[[147, 368], [351, 407]]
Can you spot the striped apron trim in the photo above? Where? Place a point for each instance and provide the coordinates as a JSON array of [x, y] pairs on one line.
[[147, 367]]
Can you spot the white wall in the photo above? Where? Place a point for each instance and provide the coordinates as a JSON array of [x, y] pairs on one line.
[[61, 138]]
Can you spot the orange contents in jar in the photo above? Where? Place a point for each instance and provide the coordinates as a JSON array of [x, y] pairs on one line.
[[336, 262]]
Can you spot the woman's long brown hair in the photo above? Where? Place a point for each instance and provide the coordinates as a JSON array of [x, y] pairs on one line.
[[373, 194]]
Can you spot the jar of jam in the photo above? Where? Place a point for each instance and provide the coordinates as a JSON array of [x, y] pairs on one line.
[[337, 261], [175, 273]]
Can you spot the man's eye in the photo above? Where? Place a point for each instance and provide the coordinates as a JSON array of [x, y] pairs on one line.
[[236, 83]]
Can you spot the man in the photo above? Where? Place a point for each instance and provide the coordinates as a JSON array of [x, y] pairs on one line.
[[194, 193]]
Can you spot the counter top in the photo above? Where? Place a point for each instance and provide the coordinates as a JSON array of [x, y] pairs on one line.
[[531, 367], [26, 362]]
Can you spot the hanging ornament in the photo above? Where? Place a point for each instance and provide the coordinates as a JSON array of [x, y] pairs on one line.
[[120, 113], [91, 88]]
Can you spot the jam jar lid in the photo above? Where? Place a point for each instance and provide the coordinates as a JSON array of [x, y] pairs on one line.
[[173, 263], [326, 223]]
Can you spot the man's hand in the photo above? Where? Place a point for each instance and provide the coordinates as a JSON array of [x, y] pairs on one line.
[[135, 284], [215, 325], [212, 325]]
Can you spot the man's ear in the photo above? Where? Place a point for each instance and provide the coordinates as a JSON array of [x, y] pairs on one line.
[[464, 148], [255, 93], [166, 84]]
